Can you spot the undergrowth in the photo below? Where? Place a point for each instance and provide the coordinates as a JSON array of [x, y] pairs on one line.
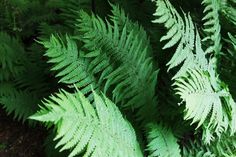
[[122, 78]]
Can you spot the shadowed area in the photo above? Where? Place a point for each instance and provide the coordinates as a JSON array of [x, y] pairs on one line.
[[17, 140]]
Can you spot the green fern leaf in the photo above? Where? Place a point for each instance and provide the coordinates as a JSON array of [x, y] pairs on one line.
[[162, 142], [180, 32], [206, 105], [21, 104], [212, 26], [133, 76], [72, 67], [99, 131], [198, 93]]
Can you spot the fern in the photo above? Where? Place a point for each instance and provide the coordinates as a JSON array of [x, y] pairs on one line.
[[20, 96], [72, 66], [162, 142], [196, 82], [119, 16], [87, 47], [223, 147], [204, 105], [107, 67], [21, 104], [212, 26], [81, 126], [12, 57], [22, 81], [12, 65], [227, 9], [180, 33], [227, 64], [128, 54]]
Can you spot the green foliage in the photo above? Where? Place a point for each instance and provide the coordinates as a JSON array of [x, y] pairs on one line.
[[127, 53], [104, 60], [11, 54], [227, 8], [212, 26], [22, 16], [208, 101], [23, 82], [113, 61], [12, 100], [73, 69], [223, 147], [162, 142], [81, 125]]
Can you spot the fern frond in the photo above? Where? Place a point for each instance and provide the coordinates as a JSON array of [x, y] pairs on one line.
[[162, 142], [22, 82], [21, 104], [205, 105], [212, 26], [99, 131], [12, 57], [208, 100], [70, 64], [221, 147], [114, 57], [180, 33], [119, 16], [168, 16], [133, 77]]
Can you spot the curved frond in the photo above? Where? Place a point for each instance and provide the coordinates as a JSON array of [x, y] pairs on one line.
[[17, 96], [95, 132], [180, 32], [203, 104], [162, 142], [168, 16], [212, 26]]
